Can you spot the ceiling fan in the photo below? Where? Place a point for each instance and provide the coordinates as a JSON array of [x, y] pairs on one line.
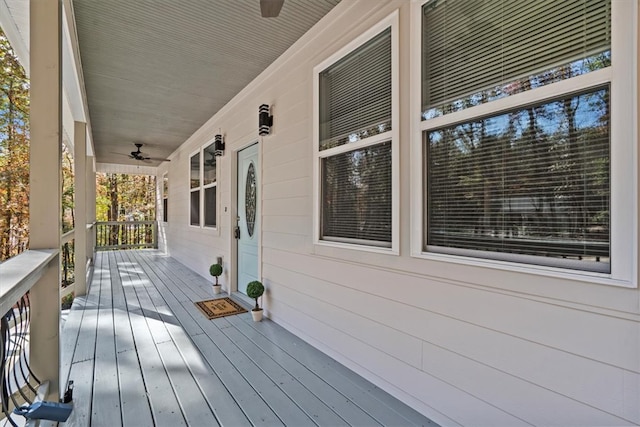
[[211, 161], [138, 155], [270, 8]]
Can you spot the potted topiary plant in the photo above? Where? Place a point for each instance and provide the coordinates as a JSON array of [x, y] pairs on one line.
[[216, 270], [255, 291]]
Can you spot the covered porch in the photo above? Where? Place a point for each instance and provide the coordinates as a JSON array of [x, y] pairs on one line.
[[140, 354], [461, 335]]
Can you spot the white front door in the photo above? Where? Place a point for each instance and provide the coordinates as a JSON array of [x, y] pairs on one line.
[[248, 226]]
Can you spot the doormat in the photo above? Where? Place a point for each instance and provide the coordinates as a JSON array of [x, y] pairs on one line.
[[214, 308]]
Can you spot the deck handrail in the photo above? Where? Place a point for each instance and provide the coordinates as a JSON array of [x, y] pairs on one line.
[[20, 273], [68, 236], [126, 234]]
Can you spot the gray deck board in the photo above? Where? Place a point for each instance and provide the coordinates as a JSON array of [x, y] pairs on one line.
[[83, 355], [163, 401], [134, 403], [218, 396], [141, 354], [106, 397], [348, 411], [325, 367], [285, 409], [314, 407], [69, 338], [248, 399]]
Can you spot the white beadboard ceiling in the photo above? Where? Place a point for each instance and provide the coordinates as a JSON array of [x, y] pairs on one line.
[[156, 70]]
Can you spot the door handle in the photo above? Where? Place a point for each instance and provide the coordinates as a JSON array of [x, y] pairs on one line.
[[236, 232]]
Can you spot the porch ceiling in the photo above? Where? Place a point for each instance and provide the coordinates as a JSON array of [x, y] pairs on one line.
[[156, 70]]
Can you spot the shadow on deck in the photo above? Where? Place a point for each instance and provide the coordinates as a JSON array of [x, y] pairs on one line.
[[141, 354]]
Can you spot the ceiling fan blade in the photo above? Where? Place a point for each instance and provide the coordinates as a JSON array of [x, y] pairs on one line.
[[270, 8]]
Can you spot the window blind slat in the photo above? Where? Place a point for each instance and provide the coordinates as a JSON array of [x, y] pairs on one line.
[[356, 93], [533, 182], [356, 195], [472, 46]]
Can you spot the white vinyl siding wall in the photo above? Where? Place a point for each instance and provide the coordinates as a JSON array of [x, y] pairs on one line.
[[464, 343]]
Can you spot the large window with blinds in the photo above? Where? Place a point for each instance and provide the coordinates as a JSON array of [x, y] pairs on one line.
[[528, 181], [355, 148]]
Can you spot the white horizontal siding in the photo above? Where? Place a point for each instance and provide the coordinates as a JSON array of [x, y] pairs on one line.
[[279, 154], [299, 187], [286, 241], [278, 172], [458, 405], [574, 376], [570, 330], [391, 341], [525, 400], [463, 344], [290, 206]]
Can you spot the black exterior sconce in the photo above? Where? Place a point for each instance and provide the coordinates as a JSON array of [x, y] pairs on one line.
[[218, 146], [265, 121]]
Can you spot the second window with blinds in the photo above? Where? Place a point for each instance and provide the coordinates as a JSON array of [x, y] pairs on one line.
[[356, 144]]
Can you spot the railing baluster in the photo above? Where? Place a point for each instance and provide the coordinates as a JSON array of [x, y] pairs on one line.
[[14, 330], [4, 336], [126, 234], [25, 329]]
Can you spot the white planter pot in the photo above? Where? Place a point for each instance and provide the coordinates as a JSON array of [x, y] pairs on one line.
[[217, 289], [257, 315]]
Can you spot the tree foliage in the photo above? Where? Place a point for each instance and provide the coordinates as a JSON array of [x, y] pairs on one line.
[[68, 190], [121, 197], [14, 153]]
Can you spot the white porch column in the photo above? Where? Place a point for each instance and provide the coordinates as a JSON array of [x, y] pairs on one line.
[[45, 183], [81, 206], [91, 205]]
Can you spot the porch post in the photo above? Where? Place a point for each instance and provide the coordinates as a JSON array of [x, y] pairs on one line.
[[91, 206], [81, 206], [45, 183]]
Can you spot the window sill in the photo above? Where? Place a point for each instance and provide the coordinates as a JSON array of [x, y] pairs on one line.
[[357, 247], [586, 276], [212, 231]]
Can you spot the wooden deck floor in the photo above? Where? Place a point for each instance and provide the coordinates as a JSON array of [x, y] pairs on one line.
[[141, 354]]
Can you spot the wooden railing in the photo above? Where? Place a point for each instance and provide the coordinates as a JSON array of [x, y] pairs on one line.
[[18, 383], [126, 235]]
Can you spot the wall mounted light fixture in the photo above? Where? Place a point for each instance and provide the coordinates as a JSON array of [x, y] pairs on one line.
[[219, 145], [265, 121]]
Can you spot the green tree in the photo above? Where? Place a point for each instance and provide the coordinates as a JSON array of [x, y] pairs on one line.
[[14, 153], [121, 197], [68, 190]]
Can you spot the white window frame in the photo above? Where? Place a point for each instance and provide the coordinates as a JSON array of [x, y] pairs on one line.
[[165, 196], [391, 22], [198, 188], [204, 187], [201, 188], [622, 78]]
